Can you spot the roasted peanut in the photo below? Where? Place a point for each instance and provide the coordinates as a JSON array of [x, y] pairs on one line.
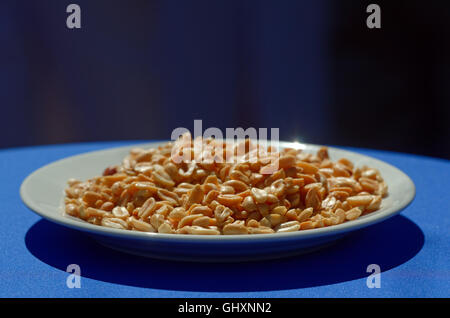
[[264, 190]]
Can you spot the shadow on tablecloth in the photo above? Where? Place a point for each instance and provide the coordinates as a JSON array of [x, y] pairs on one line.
[[388, 244]]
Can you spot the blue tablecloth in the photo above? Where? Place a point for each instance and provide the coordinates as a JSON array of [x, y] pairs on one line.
[[412, 249]]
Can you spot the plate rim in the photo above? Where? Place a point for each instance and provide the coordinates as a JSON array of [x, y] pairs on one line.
[[83, 226]]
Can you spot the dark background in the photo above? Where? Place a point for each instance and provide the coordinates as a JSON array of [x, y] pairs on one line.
[[139, 69]]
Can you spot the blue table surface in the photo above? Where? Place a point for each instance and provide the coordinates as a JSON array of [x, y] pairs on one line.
[[412, 249]]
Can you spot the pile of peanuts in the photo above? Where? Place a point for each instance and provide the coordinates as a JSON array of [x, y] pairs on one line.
[[151, 192]]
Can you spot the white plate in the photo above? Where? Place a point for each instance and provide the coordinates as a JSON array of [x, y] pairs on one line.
[[43, 192]]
